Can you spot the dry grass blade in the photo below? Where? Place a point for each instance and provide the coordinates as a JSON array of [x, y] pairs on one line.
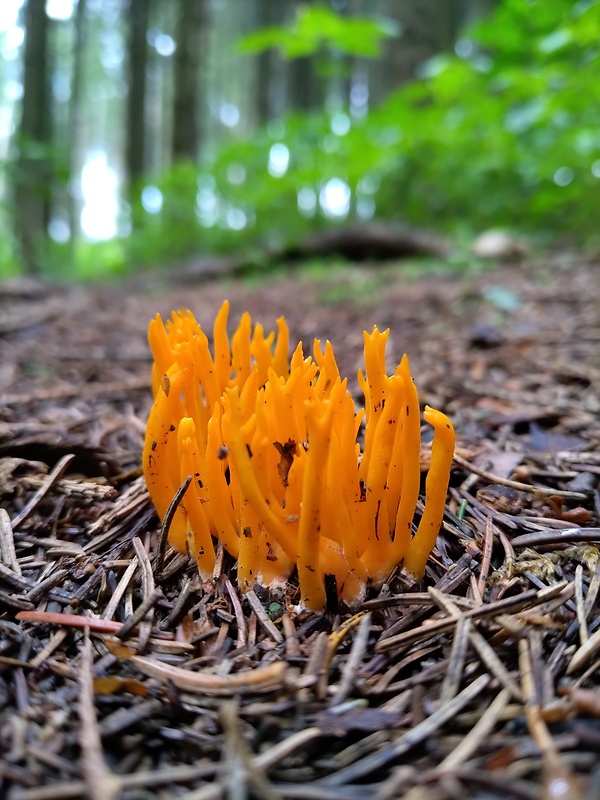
[[256, 777], [544, 491], [550, 536], [262, 616], [486, 557], [43, 490], [8, 555], [100, 783], [592, 592], [144, 779], [527, 599], [484, 650], [260, 679], [167, 521], [292, 645], [478, 733], [558, 780], [240, 767], [120, 589], [240, 619], [419, 733], [350, 669], [456, 662], [144, 613], [584, 653], [579, 601]]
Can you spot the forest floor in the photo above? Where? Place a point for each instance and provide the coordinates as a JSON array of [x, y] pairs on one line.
[[122, 676]]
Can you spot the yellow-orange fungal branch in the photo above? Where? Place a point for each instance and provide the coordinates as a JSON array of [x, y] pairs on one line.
[[436, 486], [278, 474]]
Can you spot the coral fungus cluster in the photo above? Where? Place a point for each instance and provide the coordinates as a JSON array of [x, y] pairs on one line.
[[278, 474]]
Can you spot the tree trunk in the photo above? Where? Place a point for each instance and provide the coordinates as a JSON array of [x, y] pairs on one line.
[[33, 167], [426, 29], [268, 63], [136, 101], [306, 90], [75, 120], [186, 115]]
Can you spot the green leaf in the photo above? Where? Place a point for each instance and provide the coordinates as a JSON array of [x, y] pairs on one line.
[[316, 27]]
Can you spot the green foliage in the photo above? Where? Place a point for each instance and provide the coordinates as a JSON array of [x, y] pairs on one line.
[[315, 27], [99, 260], [9, 261], [506, 135], [509, 134]]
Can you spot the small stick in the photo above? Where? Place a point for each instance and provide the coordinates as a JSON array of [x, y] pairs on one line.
[[51, 582], [551, 536], [545, 491], [485, 651], [43, 490], [424, 730], [8, 555], [581, 616], [527, 599], [120, 590], [260, 679], [179, 608], [242, 631], [292, 645], [554, 768], [592, 592], [255, 776], [101, 783], [350, 670], [484, 725], [486, 558], [166, 523], [262, 616], [148, 591], [456, 661], [56, 640], [138, 615], [79, 621]]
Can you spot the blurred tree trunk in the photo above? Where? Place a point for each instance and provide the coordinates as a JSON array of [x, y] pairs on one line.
[[268, 13], [301, 92], [426, 29], [75, 121], [33, 167], [186, 114], [136, 99], [475, 9], [306, 88]]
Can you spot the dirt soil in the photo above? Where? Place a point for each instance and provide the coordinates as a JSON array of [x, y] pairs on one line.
[[121, 675]]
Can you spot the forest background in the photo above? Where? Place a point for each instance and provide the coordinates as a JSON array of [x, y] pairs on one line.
[[142, 132]]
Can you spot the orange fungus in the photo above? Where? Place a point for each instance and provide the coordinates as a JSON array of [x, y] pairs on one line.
[[278, 475]]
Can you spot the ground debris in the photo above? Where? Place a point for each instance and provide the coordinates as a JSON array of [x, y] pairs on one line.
[[122, 675]]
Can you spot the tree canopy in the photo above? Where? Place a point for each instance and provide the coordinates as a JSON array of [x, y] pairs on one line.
[[142, 132]]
